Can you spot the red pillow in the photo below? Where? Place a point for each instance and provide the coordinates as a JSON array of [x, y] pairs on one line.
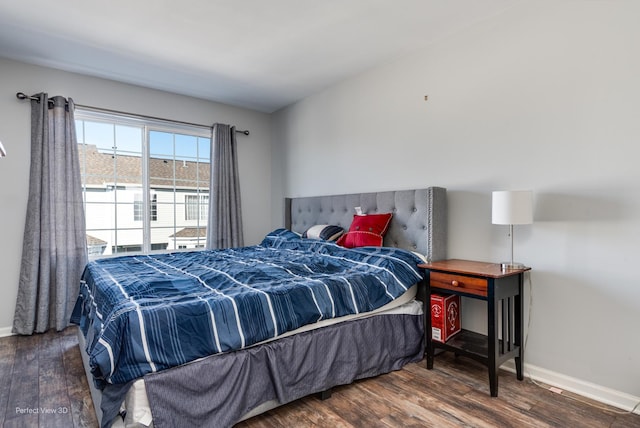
[[366, 230], [360, 239], [375, 223]]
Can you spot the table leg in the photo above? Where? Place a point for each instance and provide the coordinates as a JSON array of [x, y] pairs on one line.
[[492, 333], [426, 307], [519, 328], [493, 380]]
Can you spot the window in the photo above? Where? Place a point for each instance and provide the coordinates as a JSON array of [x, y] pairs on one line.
[[138, 207], [145, 182], [196, 207]]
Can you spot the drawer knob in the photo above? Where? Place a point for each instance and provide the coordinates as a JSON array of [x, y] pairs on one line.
[[455, 283]]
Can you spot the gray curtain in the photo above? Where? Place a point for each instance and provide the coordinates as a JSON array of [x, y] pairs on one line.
[[54, 250], [225, 215]]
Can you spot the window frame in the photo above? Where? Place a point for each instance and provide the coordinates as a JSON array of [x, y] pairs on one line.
[[148, 125]]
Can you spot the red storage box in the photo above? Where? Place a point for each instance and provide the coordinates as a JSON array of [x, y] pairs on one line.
[[445, 316]]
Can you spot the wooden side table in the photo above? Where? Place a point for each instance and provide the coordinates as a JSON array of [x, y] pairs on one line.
[[502, 290]]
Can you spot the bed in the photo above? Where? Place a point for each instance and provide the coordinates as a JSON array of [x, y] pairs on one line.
[[244, 375]]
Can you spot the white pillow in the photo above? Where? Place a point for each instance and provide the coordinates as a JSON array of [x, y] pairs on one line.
[[422, 256], [326, 232]]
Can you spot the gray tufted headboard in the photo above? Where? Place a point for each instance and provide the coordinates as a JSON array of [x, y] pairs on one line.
[[419, 221]]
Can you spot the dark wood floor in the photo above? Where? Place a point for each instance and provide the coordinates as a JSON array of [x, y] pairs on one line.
[[42, 383]]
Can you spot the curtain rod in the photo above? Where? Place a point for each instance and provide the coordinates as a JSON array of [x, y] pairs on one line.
[[23, 96]]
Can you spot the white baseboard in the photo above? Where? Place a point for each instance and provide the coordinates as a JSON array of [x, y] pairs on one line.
[[5, 331], [600, 393]]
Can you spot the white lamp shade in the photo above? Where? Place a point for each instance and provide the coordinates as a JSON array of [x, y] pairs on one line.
[[512, 207], [3, 153]]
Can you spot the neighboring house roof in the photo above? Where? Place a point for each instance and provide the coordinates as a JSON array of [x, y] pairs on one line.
[[93, 241], [191, 232], [162, 172]]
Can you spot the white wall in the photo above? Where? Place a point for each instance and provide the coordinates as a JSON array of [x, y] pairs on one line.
[[543, 97], [253, 151]]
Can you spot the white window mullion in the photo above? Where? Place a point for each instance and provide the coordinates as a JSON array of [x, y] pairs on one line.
[[115, 190], [175, 192], [198, 224], [84, 169], [146, 193]]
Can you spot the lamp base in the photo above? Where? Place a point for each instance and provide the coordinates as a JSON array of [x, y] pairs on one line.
[[511, 265]]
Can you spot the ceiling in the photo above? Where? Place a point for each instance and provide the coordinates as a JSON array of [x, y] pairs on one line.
[[256, 54]]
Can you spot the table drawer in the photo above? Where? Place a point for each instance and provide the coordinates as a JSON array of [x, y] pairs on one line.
[[464, 284]]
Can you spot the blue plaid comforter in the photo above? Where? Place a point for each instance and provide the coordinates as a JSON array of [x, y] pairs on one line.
[[146, 313]]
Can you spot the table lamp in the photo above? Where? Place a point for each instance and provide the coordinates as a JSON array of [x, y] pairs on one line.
[[512, 207]]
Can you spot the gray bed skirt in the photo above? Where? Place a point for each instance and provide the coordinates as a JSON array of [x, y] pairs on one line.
[[219, 390]]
